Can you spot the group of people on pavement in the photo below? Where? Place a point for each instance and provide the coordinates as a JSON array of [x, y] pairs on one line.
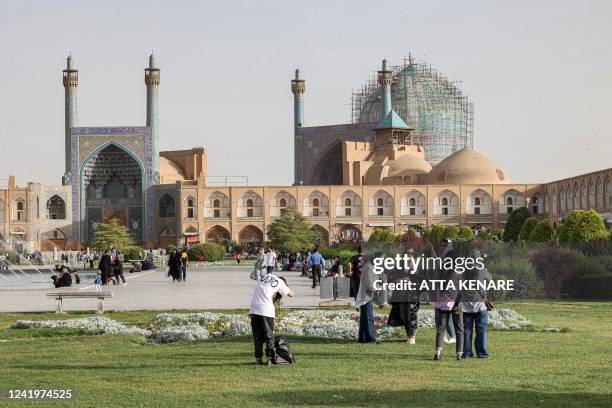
[[177, 265], [110, 267]]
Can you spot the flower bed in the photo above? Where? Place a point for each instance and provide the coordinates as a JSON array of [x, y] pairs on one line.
[[171, 327], [94, 325]]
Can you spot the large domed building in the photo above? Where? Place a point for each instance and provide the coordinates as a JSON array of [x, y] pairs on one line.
[[466, 166]]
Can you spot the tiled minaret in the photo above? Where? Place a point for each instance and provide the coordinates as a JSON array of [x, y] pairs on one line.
[[152, 82], [71, 82], [385, 78], [298, 87]]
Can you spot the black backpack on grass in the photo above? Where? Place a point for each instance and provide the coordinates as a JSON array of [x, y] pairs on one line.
[[283, 351]]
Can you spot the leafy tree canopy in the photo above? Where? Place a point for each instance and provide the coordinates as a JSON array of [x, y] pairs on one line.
[[114, 234], [291, 232]]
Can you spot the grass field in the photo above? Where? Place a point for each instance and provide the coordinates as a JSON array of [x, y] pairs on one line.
[[526, 368]]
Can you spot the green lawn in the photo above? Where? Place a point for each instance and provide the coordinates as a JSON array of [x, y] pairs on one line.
[[526, 368]]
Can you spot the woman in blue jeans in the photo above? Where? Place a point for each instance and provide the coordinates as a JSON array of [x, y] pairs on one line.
[[475, 312]]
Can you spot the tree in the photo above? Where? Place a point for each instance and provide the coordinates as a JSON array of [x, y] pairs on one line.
[[465, 234], [114, 234], [515, 223], [527, 227], [381, 235], [542, 232], [291, 232], [582, 226]]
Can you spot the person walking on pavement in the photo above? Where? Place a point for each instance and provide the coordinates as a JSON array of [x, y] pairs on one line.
[[317, 262]]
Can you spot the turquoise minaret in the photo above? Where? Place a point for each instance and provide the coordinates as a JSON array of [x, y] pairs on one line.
[[152, 82], [298, 87], [385, 78], [71, 82]]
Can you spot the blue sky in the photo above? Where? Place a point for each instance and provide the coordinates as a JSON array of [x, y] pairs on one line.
[[539, 74]]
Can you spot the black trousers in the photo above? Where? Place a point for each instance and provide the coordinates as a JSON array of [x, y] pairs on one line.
[[316, 275], [119, 275], [263, 333], [184, 271], [442, 317]]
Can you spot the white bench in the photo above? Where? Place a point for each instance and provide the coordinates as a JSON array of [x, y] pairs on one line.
[[60, 295]]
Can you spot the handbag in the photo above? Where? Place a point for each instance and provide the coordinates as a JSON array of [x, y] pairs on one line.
[[254, 274]]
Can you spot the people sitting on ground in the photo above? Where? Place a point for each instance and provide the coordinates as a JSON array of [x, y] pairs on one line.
[[62, 278], [136, 267], [269, 290]]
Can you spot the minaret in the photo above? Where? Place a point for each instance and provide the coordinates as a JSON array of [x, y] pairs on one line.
[[298, 87], [152, 82], [71, 81], [385, 77]]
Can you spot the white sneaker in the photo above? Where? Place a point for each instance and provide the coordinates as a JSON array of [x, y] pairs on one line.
[[452, 340], [411, 341], [124, 283]]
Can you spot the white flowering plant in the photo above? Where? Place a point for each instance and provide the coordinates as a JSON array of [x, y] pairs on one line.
[[336, 324]]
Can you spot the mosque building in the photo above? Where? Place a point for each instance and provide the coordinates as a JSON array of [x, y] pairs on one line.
[[406, 161]]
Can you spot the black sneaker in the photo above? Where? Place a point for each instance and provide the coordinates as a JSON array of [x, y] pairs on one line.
[[459, 357], [259, 361], [437, 357]]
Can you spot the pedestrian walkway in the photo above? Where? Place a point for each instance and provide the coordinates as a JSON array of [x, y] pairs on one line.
[[215, 287]]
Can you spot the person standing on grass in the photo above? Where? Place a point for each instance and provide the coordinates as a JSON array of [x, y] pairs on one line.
[[364, 299], [316, 262], [475, 311], [268, 291], [447, 303]]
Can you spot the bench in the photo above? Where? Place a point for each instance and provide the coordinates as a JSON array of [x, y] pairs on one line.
[[60, 295]]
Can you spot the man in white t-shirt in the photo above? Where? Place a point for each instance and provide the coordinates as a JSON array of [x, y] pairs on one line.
[[269, 289], [270, 260]]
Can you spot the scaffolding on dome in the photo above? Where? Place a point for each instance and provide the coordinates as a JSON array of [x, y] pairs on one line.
[[441, 114]]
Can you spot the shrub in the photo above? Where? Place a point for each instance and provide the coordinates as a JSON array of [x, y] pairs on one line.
[[465, 234], [133, 252], [451, 232], [382, 235], [498, 233], [526, 229], [596, 287], [170, 248], [210, 252], [515, 268], [582, 226], [434, 234], [555, 266], [344, 254], [515, 223], [542, 232]]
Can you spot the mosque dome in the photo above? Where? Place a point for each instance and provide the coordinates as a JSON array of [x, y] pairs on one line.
[[466, 166], [170, 172], [408, 165], [423, 97]]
